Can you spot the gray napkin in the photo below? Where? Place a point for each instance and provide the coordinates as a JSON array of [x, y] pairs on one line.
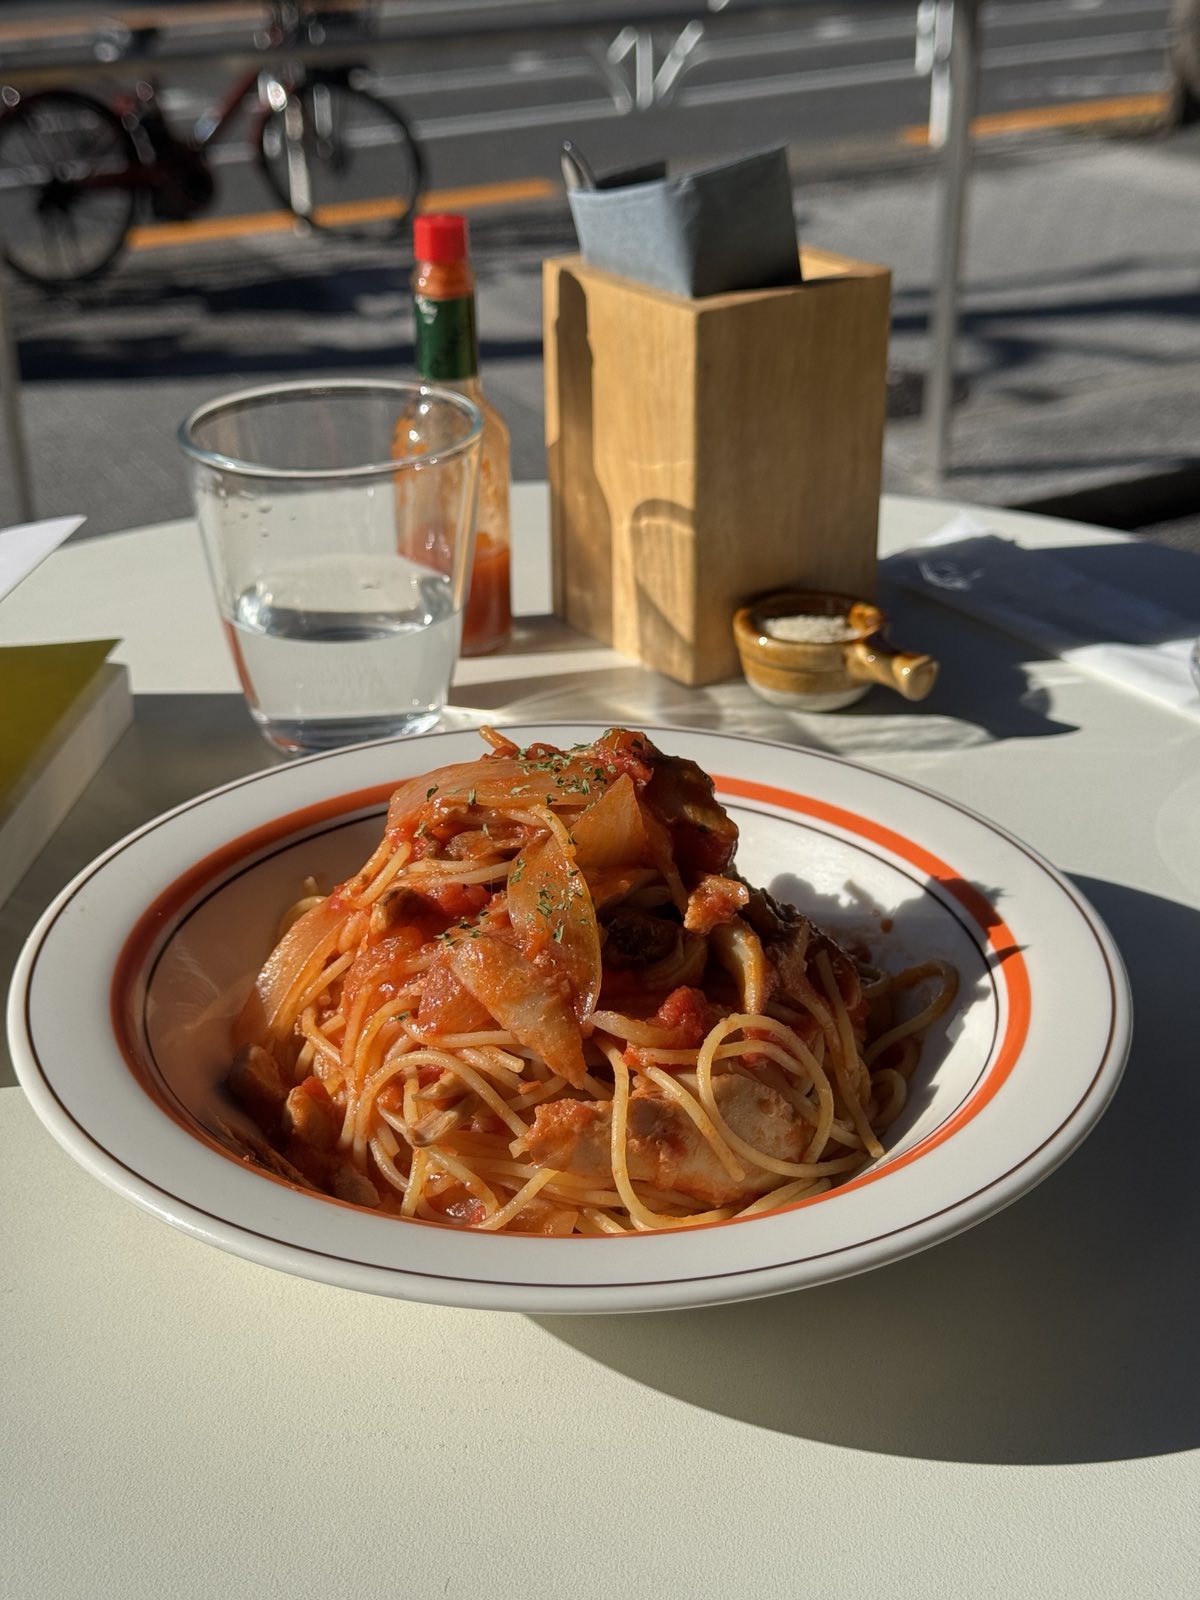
[[724, 228]]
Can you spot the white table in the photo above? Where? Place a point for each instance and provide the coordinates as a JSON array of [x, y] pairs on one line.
[[1014, 1413]]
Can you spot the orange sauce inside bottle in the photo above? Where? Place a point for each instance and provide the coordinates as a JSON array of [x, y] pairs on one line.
[[487, 622]]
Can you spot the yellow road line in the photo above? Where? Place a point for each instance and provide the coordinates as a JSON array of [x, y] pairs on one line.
[[156, 17], [1078, 113], [468, 198], [473, 196]]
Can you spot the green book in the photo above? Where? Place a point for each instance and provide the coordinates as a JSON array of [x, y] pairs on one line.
[[62, 708]]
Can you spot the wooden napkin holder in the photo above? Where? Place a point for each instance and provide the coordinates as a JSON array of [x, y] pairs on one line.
[[704, 451]]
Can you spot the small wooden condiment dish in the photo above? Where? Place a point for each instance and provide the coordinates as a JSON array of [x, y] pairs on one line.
[[824, 675]]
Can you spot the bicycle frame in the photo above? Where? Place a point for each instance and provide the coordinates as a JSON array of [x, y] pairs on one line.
[[216, 119]]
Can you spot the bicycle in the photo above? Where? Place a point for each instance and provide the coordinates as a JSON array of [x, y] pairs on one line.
[[75, 171]]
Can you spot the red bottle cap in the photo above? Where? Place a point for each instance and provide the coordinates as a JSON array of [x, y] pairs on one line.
[[440, 236]]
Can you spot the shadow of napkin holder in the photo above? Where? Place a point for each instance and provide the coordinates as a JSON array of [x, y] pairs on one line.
[[703, 450], [725, 228]]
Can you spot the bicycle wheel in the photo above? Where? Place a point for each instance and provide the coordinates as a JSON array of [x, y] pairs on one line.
[[64, 209], [342, 159]]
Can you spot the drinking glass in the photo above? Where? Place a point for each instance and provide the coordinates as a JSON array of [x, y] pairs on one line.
[[338, 520]]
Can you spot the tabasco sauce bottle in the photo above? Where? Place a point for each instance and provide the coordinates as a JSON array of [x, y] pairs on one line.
[[447, 353]]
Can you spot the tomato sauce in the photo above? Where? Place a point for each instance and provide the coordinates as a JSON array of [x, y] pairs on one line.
[[487, 622]]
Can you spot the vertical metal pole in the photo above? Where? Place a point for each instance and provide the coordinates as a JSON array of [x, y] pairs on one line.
[[10, 400], [964, 82], [935, 24]]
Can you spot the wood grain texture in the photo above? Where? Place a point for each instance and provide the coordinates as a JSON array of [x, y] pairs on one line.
[[701, 452]]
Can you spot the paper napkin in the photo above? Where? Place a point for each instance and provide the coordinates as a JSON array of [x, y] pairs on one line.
[[722, 228], [1115, 634], [26, 546]]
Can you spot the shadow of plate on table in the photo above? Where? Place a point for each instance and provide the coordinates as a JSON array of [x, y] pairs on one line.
[[1061, 1330]]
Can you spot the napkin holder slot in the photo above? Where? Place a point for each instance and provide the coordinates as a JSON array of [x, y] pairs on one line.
[[702, 451]]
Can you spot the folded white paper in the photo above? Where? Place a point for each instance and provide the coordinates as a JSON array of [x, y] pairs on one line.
[[27, 544], [1116, 635]]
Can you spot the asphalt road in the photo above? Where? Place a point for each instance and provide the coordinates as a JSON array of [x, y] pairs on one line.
[[491, 106]]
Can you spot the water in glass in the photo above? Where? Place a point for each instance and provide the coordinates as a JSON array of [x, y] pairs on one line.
[[336, 650]]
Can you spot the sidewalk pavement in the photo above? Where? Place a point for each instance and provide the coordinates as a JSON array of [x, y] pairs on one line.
[[1079, 356]]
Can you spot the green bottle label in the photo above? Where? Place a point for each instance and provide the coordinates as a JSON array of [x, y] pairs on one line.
[[447, 345]]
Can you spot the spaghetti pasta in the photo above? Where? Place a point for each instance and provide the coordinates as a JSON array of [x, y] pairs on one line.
[[548, 1003]]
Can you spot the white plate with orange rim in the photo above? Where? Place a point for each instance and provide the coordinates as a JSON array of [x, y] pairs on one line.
[[121, 1004]]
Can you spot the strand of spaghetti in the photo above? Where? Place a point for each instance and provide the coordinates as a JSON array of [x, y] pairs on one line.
[[872, 981], [453, 872], [756, 1158], [849, 1053], [436, 1127], [387, 1166], [640, 1214], [353, 1085], [798, 1060], [910, 1049], [928, 1015], [393, 1063], [802, 991], [789, 1051], [474, 1080], [397, 860], [378, 858], [608, 1198], [352, 930], [802, 1189], [412, 1112], [741, 952], [692, 1108], [841, 1133], [683, 1205], [416, 1183], [417, 1132], [597, 1090], [497, 1070], [566, 1186], [506, 1214], [471, 1181], [543, 817], [323, 981], [544, 1091], [313, 1035], [284, 1019], [632, 1030], [600, 1221], [386, 1013], [462, 1041], [897, 1094], [659, 1056], [849, 1067]]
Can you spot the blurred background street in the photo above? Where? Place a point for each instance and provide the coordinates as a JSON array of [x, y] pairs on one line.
[[1079, 355]]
